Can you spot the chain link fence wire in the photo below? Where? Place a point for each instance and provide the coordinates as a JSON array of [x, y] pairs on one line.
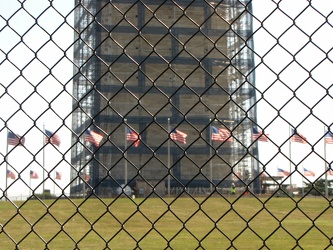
[[166, 124]]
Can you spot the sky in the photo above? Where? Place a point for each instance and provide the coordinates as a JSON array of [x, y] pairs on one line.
[[30, 106], [293, 46], [292, 41]]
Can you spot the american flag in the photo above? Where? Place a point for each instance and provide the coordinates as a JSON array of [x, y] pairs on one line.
[[14, 139], [132, 136], [33, 175], [329, 171], [308, 172], [93, 137], [85, 176], [329, 137], [263, 174], [58, 175], [237, 176], [221, 134], [52, 138], [282, 172], [297, 137], [10, 174], [258, 135], [179, 136]]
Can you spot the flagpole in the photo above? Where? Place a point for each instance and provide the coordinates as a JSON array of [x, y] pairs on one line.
[[6, 185], [43, 159], [54, 180], [252, 162], [210, 157], [169, 158], [84, 169], [30, 193], [125, 153], [302, 180], [326, 188], [291, 183]]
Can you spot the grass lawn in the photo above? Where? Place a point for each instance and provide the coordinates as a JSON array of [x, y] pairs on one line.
[[169, 223]]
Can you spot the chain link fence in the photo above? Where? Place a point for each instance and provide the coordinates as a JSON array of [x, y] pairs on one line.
[[166, 124]]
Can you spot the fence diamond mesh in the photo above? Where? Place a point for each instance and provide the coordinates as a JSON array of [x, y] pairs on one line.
[[166, 124]]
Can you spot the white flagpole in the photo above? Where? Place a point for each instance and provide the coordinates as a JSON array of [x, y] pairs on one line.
[[54, 180], [291, 183], [43, 159], [6, 166], [326, 188], [30, 192], [252, 167], [84, 169], [125, 154], [302, 180], [210, 156], [169, 158]]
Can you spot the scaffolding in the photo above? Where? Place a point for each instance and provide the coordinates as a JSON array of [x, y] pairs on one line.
[[147, 61]]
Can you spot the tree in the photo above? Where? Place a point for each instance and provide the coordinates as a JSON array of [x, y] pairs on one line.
[[317, 188]]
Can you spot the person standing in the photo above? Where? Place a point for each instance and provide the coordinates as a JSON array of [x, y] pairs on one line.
[[232, 189]]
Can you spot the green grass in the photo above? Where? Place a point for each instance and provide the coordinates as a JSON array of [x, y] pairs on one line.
[[186, 223]]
